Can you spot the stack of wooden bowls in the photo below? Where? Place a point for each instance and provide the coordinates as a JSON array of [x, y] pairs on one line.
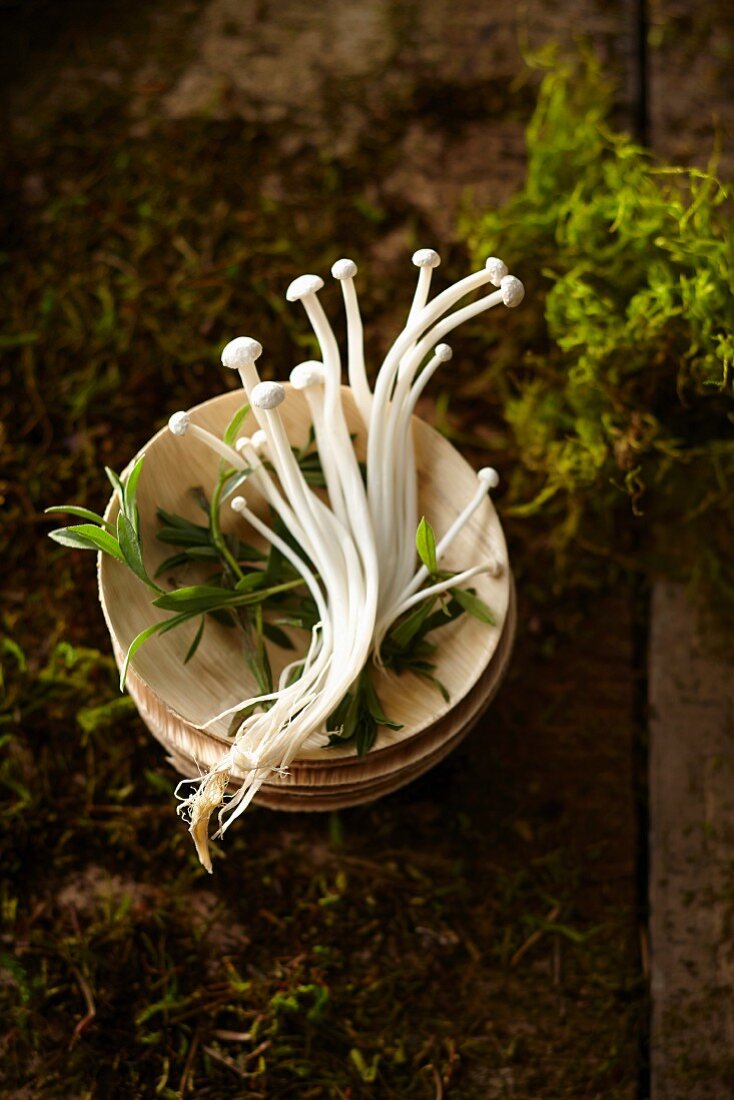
[[176, 699]]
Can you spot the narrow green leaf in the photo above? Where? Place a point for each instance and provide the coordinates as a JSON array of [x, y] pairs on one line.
[[138, 640], [445, 615], [116, 485], [243, 551], [234, 482], [365, 734], [425, 543], [162, 627], [235, 424], [86, 536], [197, 598], [183, 536], [250, 581], [426, 675], [402, 635], [130, 546], [130, 506], [75, 510], [342, 721], [277, 636], [374, 706], [201, 499], [171, 520], [195, 644], [474, 605], [171, 563]]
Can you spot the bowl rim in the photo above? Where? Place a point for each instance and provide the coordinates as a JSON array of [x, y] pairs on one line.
[[339, 754]]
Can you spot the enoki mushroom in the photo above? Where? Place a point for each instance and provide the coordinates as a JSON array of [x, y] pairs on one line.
[[358, 557]]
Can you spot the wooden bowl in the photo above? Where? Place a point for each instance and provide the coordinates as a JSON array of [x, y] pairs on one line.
[[175, 699]]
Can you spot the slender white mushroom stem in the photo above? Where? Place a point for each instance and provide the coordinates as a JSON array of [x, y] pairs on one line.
[[442, 586], [425, 259], [310, 378], [304, 289], [378, 479], [241, 354], [488, 478], [260, 478], [417, 325], [180, 423], [404, 483], [510, 293], [239, 505], [406, 462], [345, 270], [265, 397]]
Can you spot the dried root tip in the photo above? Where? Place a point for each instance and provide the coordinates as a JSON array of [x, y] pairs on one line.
[[267, 395], [179, 423], [513, 291], [426, 257], [303, 286], [207, 799], [344, 269], [497, 270], [241, 351]]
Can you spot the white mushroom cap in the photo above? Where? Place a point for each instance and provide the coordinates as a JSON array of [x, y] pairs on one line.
[[513, 291], [443, 352], [238, 504], [344, 269], [267, 395], [259, 439], [241, 444], [426, 257], [241, 351], [310, 373], [179, 423], [303, 286], [497, 270], [489, 476]]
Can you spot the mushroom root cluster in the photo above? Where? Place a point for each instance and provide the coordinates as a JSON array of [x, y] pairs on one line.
[[357, 552]]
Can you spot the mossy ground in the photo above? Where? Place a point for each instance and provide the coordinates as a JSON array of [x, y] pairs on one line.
[[472, 936]]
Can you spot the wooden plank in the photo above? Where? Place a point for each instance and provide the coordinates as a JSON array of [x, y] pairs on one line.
[[691, 90], [691, 852], [691, 96]]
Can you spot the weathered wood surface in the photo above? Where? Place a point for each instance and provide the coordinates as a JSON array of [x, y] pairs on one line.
[[692, 854], [691, 82], [691, 99]]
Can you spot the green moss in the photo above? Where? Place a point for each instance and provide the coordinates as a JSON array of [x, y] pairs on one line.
[[621, 405]]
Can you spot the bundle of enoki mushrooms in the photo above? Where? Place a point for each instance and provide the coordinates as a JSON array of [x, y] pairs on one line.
[[358, 555]]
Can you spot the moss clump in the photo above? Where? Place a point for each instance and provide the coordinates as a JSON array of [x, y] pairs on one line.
[[624, 404]]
